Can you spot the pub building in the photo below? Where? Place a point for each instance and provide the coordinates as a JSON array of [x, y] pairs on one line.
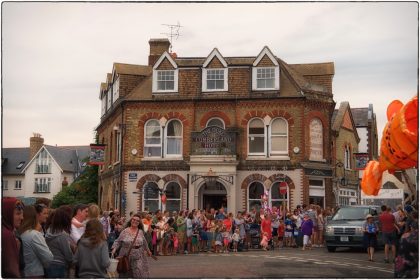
[[213, 131]]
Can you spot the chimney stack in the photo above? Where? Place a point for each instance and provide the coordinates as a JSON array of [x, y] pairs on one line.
[[35, 143], [157, 48]]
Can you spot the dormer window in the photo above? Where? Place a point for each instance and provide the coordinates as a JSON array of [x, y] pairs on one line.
[[265, 72], [215, 79], [215, 73], [165, 75], [265, 78], [165, 80]]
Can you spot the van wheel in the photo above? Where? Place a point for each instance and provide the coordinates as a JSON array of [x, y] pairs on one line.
[[331, 249]]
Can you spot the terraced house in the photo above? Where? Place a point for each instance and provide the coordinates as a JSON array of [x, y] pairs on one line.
[[212, 131]]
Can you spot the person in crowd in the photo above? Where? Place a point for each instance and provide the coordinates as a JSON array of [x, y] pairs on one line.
[[288, 234], [321, 225], [266, 226], [407, 260], [139, 265], [114, 234], [165, 216], [181, 231], [203, 233], [221, 214], [264, 241], [312, 215], [160, 228], [275, 223], [211, 231], [80, 215], [58, 240], [42, 212], [226, 239], [37, 256], [389, 231], [218, 238], [235, 239], [307, 230], [93, 211], [92, 257], [189, 232], [115, 218], [280, 234], [239, 223], [175, 243], [105, 223], [370, 230], [11, 245], [228, 222]]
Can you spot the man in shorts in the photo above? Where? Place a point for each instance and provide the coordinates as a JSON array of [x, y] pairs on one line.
[[389, 231]]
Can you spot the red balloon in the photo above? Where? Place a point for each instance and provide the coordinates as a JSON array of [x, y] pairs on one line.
[[163, 198]]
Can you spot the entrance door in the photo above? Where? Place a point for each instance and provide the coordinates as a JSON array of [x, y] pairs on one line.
[[212, 196], [214, 201]]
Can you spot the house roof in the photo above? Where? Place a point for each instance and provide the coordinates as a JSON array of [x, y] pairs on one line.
[[68, 157], [132, 69], [11, 158], [360, 116]]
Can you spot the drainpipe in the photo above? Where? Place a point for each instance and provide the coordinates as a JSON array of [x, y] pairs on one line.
[[188, 189]]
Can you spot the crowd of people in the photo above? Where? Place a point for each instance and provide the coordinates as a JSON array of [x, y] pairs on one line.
[[80, 241]]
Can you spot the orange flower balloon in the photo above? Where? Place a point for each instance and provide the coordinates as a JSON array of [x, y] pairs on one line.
[[399, 145]]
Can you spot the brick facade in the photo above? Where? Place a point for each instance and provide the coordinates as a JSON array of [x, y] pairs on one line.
[[295, 102]]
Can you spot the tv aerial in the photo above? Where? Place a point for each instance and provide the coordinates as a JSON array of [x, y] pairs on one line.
[[173, 33]]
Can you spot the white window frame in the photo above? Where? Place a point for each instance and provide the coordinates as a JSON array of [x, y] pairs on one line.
[[276, 78], [253, 135], [116, 89], [216, 118], [174, 199], [254, 199], [42, 185], [18, 184], [152, 145], [5, 185], [166, 154], [155, 74], [118, 146], [43, 163], [205, 80], [158, 198], [109, 98], [156, 79], [104, 101], [279, 153]]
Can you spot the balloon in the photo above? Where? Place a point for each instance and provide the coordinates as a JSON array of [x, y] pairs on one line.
[[399, 145], [163, 198]]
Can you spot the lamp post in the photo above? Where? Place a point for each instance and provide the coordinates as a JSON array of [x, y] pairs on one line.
[[162, 123], [339, 181]]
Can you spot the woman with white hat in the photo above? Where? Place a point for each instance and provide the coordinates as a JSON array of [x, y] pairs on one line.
[[370, 229]]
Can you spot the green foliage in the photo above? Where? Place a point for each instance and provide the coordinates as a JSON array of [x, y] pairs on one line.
[[83, 190]]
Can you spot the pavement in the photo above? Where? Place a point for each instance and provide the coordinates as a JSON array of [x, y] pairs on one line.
[[280, 263]]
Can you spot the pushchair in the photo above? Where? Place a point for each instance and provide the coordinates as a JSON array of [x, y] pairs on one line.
[[255, 234]]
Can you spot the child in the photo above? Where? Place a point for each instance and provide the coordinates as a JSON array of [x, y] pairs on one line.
[[307, 227], [235, 238], [264, 241], [175, 242], [281, 233], [194, 243], [154, 240], [288, 235], [226, 240], [219, 239]]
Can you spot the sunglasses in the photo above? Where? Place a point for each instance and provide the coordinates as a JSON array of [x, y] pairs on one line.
[[19, 205]]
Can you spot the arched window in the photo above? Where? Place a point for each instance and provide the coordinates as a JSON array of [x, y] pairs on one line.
[[278, 199], [173, 197], [216, 122], [174, 138], [256, 137], [316, 139], [151, 197], [152, 139], [279, 140], [255, 191]]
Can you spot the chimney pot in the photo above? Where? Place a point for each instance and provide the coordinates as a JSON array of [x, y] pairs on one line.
[[35, 143]]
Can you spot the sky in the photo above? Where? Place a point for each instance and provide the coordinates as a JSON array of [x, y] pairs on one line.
[[56, 54]]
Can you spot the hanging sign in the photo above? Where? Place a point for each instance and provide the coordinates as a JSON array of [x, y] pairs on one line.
[[97, 154], [213, 140]]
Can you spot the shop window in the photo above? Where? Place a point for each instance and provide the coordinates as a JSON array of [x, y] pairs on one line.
[[278, 199], [255, 191], [173, 197], [151, 197]]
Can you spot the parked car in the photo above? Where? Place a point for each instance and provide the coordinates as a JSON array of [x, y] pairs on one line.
[[344, 229]]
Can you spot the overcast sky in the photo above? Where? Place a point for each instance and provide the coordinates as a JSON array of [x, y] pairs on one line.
[[55, 55]]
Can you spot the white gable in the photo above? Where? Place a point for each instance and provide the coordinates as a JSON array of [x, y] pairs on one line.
[[162, 57], [265, 51], [214, 53]]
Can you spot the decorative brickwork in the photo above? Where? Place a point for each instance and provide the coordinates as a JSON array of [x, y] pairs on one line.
[[214, 114]]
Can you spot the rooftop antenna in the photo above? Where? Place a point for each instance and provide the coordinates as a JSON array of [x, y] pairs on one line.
[[174, 33]]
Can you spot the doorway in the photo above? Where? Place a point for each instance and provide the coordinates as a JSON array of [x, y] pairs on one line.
[[214, 201], [212, 195]]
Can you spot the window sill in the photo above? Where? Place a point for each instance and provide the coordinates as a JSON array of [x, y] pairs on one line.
[[166, 92], [42, 192], [268, 158], [317, 160], [211, 91], [162, 159], [38, 173]]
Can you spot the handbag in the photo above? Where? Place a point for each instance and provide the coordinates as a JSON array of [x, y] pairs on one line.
[[123, 262]]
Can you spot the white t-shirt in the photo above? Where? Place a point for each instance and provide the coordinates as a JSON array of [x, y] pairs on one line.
[[76, 232]]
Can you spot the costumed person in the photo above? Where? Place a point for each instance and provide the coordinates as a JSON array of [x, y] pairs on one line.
[[264, 241], [11, 245]]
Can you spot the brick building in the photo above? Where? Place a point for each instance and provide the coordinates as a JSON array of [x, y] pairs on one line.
[[212, 131], [345, 144]]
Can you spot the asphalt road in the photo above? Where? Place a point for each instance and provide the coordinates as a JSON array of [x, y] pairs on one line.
[[283, 263]]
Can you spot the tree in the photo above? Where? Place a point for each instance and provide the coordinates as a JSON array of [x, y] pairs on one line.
[[83, 190]]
